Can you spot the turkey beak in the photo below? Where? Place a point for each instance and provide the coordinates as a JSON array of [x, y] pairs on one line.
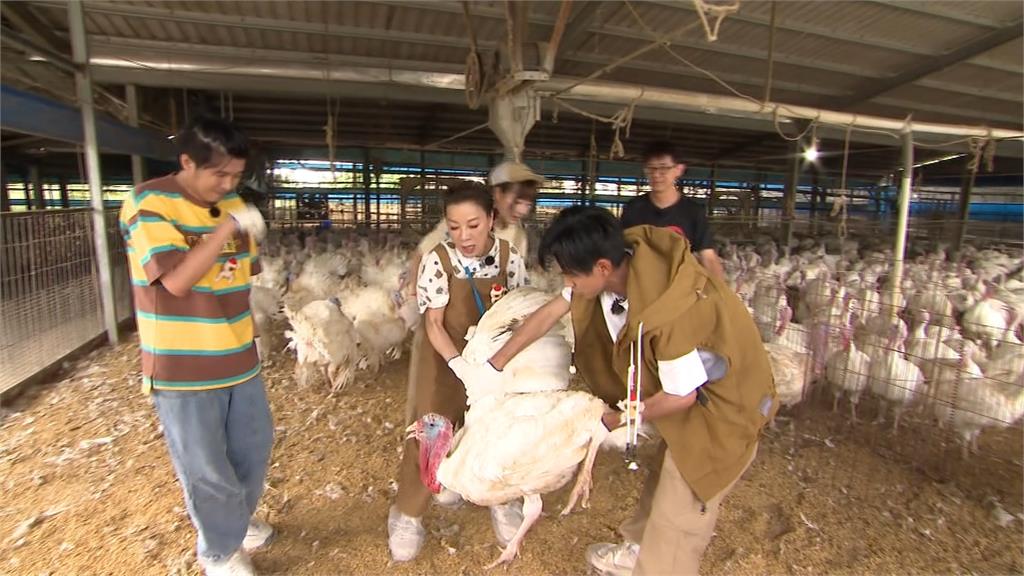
[[410, 431]]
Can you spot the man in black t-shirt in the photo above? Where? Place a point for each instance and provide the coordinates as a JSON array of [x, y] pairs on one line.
[[664, 206]]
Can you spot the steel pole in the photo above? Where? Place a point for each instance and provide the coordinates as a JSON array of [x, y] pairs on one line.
[[83, 83]]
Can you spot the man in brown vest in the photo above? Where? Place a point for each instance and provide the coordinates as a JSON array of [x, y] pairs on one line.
[[704, 375]]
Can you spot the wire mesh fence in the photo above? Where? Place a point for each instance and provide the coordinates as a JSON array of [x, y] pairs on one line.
[[930, 376], [49, 288]]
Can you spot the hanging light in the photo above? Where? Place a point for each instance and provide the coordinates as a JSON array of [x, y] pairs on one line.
[[811, 152]]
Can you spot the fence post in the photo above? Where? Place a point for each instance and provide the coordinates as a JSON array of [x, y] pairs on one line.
[[83, 82]]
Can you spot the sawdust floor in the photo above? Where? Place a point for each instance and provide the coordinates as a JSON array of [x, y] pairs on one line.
[[88, 489]]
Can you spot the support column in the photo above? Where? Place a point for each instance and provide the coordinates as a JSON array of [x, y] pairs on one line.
[[903, 211], [83, 83], [966, 189], [38, 194], [366, 187], [65, 200], [132, 100], [789, 194], [712, 190], [5, 194]]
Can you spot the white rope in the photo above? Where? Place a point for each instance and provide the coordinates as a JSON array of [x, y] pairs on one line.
[[668, 48], [623, 119], [719, 12], [459, 135]]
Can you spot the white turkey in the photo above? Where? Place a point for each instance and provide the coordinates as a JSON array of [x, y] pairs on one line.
[[791, 370], [323, 338], [988, 320], [519, 445], [847, 371], [893, 378], [973, 402], [377, 319]]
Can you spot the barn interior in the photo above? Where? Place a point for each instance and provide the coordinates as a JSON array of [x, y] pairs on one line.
[[895, 125]]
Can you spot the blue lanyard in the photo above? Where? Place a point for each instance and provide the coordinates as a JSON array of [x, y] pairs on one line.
[[476, 293]]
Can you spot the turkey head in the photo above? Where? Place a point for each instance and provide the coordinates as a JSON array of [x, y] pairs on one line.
[[434, 434]]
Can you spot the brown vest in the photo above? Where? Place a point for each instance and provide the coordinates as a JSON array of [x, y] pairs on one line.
[[437, 389], [710, 444]]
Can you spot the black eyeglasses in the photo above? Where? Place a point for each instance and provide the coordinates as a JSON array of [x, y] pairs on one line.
[[617, 307]]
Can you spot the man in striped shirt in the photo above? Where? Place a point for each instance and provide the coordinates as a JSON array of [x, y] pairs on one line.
[[191, 244]]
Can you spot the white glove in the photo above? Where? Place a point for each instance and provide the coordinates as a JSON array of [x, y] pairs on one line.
[[250, 221], [480, 380]]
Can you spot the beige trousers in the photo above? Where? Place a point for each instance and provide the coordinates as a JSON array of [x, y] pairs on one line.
[[670, 524]]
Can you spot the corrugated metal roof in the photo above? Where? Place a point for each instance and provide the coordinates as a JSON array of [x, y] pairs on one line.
[[825, 51]]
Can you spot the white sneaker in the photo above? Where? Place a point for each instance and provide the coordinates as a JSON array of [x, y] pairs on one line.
[[258, 535], [506, 520], [613, 559], [449, 498], [238, 564], [405, 535]]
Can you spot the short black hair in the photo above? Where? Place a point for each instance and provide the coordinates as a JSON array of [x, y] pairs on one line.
[[469, 191], [660, 148], [580, 236], [208, 140]]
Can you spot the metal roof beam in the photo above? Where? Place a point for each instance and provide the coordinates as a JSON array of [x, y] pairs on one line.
[[730, 78], [25, 19], [271, 24], [979, 91], [970, 116], [802, 28], [932, 65], [583, 18], [741, 51], [36, 115], [935, 9]]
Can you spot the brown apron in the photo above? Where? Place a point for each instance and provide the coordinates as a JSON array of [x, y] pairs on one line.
[[437, 389]]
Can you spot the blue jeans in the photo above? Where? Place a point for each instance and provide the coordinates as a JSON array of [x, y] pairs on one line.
[[220, 443]]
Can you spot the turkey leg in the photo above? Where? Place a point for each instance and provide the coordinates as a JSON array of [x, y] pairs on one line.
[[532, 506], [583, 478]]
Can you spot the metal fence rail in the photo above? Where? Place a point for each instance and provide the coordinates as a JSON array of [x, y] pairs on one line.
[[49, 288]]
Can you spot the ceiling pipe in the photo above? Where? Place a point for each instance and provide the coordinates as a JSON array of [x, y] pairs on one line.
[[593, 91]]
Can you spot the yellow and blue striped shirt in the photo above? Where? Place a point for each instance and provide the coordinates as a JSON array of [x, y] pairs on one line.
[[203, 340]]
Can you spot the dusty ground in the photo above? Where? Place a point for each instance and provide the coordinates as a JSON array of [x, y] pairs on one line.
[[88, 489]]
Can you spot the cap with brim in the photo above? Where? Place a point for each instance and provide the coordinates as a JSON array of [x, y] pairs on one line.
[[514, 172]]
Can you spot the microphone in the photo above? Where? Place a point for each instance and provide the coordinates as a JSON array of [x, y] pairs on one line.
[[215, 212]]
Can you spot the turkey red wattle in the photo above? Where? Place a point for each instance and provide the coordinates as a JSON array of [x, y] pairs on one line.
[[434, 434]]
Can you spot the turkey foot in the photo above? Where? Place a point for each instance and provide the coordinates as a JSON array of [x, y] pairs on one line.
[[532, 506]]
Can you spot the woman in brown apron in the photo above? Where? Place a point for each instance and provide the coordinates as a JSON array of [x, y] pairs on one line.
[[453, 292]]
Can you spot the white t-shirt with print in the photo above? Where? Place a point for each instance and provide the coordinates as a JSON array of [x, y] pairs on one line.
[[432, 284]]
